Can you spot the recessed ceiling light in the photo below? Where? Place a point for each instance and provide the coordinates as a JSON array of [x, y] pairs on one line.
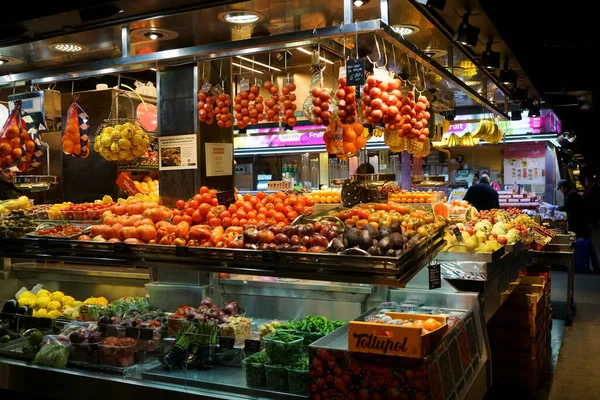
[[360, 3], [434, 53], [67, 47], [153, 35], [246, 68], [6, 60], [405, 30], [472, 83], [240, 17], [2, 61], [309, 53], [258, 63]]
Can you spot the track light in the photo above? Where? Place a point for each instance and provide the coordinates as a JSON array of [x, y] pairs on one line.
[[515, 115], [467, 34], [507, 75], [439, 4], [490, 59]]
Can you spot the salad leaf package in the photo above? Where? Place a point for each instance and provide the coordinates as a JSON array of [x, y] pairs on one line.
[[54, 352]]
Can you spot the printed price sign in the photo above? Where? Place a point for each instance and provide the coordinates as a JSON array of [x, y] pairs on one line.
[[251, 346], [226, 198], [226, 342], [355, 72], [435, 276]]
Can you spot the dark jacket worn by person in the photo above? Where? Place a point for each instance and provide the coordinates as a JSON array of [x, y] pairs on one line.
[[576, 213], [482, 196], [8, 191]]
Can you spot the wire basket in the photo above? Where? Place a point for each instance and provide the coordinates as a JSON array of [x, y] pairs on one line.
[[121, 140]]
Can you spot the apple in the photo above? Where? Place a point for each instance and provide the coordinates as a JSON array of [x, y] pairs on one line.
[[502, 240]]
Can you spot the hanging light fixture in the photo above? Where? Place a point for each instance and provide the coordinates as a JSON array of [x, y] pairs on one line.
[[467, 34], [507, 75], [439, 4], [490, 59]]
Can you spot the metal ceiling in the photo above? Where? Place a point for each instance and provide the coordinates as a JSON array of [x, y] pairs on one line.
[[200, 28]]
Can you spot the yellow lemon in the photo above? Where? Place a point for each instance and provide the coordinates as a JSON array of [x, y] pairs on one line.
[[57, 296], [124, 144], [91, 300], [77, 303], [43, 293], [26, 293], [67, 301], [42, 313], [54, 314], [53, 305], [42, 302]]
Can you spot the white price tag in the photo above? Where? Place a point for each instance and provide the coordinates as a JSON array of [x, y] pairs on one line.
[[381, 74], [244, 85], [342, 72]]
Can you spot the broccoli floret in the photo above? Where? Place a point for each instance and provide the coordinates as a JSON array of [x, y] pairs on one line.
[[35, 338]]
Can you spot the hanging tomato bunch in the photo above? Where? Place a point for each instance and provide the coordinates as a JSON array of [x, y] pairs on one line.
[[321, 106], [381, 102], [222, 112], [248, 107], [288, 104], [346, 96], [272, 104], [206, 111], [415, 117]]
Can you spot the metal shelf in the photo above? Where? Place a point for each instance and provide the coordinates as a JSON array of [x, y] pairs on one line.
[[377, 270]]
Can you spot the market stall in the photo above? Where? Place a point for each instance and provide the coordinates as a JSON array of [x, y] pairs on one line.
[[179, 241]]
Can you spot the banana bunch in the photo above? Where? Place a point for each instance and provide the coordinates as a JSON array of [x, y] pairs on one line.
[[488, 131], [377, 133], [468, 141], [453, 140]]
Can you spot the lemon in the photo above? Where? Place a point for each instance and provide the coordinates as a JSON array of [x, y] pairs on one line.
[[67, 301], [54, 314], [114, 147], [107, 199], [26, 293], [124, 144], [53, 306], [116, 136], [127, 133], [105, 152], [113, 156], [147, 179], [57, 296], [42, 302], [42, 313], [77, 303], [43, 293], [145, 143], [137, 150], [128, 125], [137, 140], [97, 146], [91, 300]]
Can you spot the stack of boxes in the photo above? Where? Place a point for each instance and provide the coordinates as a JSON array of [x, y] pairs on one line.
[[520, 332]]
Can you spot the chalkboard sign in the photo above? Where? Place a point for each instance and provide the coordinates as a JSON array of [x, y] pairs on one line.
[[355, 72], [146, 334], [131, 332], [226, 198], [251, 346], [435, 276], [226, 342], [457, 234]]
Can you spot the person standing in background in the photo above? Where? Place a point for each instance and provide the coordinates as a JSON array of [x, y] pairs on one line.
[[482, 196], [7, 189], [494, 185], [475, 179]]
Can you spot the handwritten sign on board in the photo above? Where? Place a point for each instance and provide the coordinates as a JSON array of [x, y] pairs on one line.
[[355, 72]]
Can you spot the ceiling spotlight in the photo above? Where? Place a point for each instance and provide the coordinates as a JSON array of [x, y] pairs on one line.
[[2, 61], [246, 68], [515, 115], [67, 47], [405, 30], [240, 17], [154, 35], [490, 59], [310, 54], [507, 75], [360, 3], [439, 4], [258, 63], [467, 34]]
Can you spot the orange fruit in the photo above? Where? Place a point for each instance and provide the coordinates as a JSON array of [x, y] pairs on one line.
[[72, 129], [349, 148], [17, 153], [77, 149], [360, 142], [29, 146], [68, 146], [349, 136], [7, 161], [15, 142], [13, 131], [5, 149]]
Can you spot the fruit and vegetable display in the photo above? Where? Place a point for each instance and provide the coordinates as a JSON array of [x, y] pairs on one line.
[[16, 145], [207, 311], [407, 196], [60, 231], [426, 326], [194, 346], [85, 211], [118, 352], [344, 140], [17, 224], [122, 142], [54, 352], [239, 328]]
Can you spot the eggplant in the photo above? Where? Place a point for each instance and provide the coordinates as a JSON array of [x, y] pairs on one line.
[[104, 320], [4, 331], [10, 307], [76, 337]]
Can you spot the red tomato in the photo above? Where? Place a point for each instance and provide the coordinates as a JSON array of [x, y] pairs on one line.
[[188, 219], [180, 204]]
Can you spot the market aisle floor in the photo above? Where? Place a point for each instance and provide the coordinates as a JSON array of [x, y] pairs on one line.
[[577, 375]]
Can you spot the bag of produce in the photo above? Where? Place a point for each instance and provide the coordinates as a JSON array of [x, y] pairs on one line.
[[54, 352], [121, 139], [75, 138], [320, 106], [13, 147], [34, 150]]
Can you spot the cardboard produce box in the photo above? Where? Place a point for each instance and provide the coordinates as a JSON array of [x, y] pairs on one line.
[[396, 340]]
